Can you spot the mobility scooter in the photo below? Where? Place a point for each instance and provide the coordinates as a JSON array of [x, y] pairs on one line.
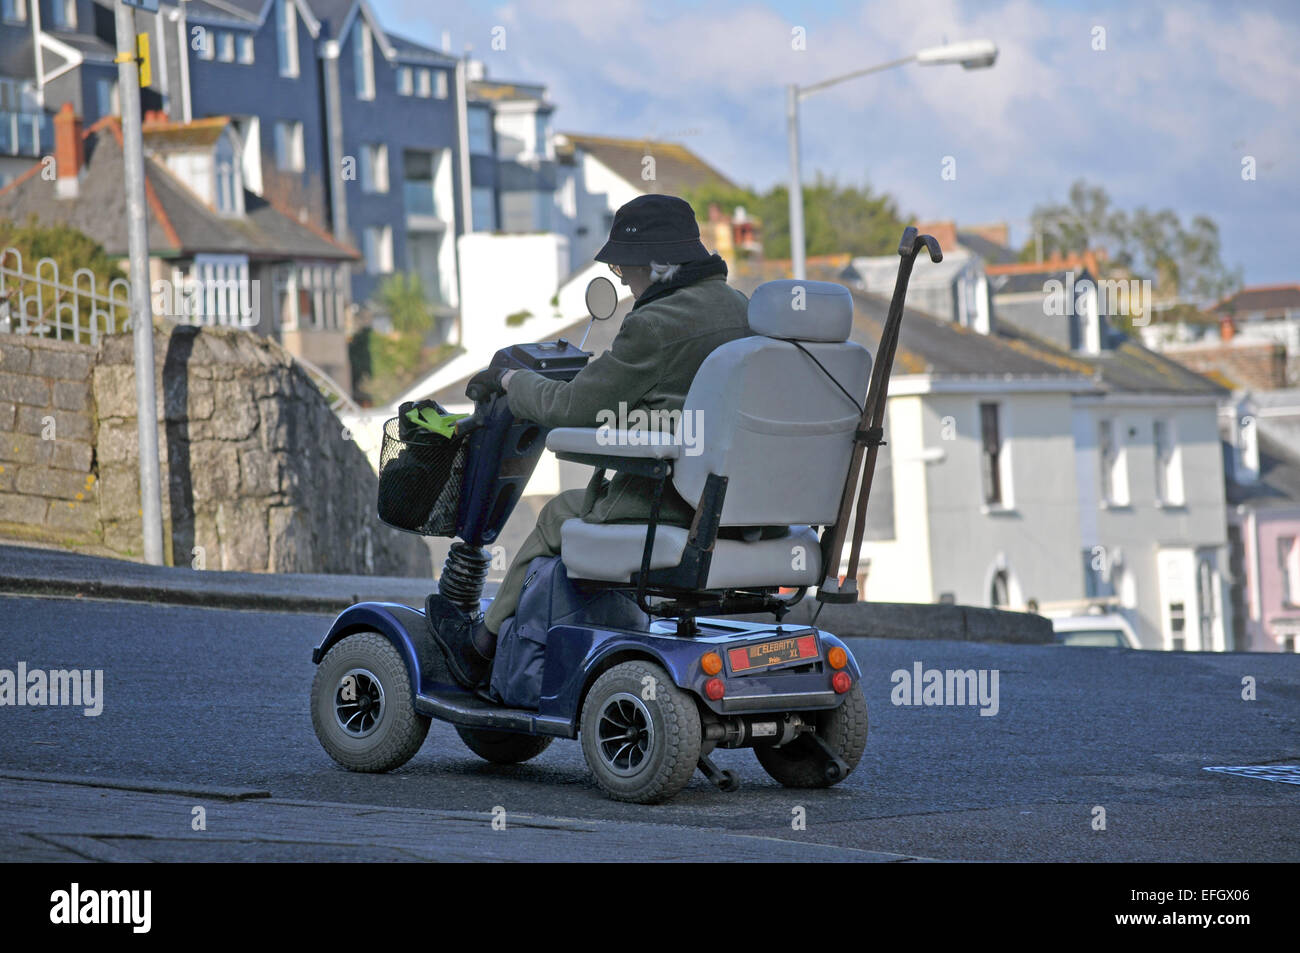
[[653, 672]]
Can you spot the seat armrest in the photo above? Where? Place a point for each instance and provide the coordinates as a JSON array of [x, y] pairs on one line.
[[604, 442]]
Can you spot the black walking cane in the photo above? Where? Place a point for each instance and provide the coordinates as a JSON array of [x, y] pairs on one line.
[[869, 434]]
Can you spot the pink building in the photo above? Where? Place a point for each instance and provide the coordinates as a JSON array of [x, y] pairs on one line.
[[1261, 433]]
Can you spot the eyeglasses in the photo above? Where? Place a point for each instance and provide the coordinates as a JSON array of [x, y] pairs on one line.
[[618, 272]]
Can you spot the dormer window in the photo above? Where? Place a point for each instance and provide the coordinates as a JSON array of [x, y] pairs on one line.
[[14, 11], [286, 28], [63, 14], [228, 185]]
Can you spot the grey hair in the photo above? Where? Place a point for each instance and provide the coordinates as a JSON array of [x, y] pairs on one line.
[[661, 272]]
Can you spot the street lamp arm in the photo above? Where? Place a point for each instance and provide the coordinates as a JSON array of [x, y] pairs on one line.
[[805, 91]]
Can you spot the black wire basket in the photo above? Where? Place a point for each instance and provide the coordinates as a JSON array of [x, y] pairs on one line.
[[420, 477]]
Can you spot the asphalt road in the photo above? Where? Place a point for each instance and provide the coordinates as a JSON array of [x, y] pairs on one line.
[[219, 697]]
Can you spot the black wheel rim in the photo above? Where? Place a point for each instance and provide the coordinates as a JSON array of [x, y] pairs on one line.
[[359, 702], [625, 734]]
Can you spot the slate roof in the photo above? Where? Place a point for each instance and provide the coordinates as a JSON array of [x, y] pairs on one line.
[[986, 248], [677, 169], [237, 11], [407, 49], [1263, 298], [1279, 476], [1126, 366], [179, 224], [928, 345]]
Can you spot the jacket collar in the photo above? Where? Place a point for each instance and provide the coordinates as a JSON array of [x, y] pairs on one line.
[[688, 274]]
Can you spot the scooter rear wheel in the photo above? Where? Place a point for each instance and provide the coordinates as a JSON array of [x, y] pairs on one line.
[[641, 734], [802, 764], [502, 747], [362, 706]]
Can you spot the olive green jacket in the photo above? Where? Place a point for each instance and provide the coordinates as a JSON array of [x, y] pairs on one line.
[[649, 367]]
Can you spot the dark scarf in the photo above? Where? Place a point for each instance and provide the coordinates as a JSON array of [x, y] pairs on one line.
[[687, 274]]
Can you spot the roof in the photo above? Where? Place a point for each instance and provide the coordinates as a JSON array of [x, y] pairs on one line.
[[1125, 367], [179, 224], [91, 47], [677, 169], [499, 91], [1261, 298], [926, 344], [1278, 485], [992, 252], [407, 49], [168, 136], [245, 11]]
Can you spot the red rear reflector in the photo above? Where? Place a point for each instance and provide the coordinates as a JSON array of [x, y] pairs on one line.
[[739, 660], [714, 689], [807, 646], [841, 682]]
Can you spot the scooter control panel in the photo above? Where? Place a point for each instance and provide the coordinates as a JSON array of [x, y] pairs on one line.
[[548, 357]]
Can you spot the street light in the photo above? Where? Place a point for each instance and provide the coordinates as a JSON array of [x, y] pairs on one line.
[[972, 54]]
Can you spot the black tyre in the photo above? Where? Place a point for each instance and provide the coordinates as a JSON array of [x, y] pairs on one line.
[[802, 764], [362, 706], [502, 747], [640, 733]]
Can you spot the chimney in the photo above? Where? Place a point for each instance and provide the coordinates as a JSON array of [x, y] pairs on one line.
[[69, 153], [1227, 328]]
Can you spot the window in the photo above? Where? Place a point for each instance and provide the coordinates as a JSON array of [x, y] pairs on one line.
[[245, 48], [225, 46], [364, 61], [1288, 561], [288, 146], [207, 46], [1114, 477], [106, 100], [377, 242], [991, 453], [1000, 590], [423, 84], [63, 14], [374, 168], [440, 83], [480, 133], [405, 82], [483, 209], [1169, 477], [286, 28], [542, 132], [14, 11], [1177, 626], [418, 173]]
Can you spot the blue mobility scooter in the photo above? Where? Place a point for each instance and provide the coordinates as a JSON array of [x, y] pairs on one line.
[[653, 692]]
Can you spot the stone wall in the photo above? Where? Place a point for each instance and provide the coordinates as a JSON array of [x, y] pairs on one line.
[[48, 485], [258, 473]]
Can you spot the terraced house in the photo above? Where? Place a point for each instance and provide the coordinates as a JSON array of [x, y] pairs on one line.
[[340, 123]]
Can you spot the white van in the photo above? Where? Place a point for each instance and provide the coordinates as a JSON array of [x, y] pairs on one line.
[[1109, 630]]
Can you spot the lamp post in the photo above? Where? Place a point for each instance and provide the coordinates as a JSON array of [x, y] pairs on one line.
[[973, 54]]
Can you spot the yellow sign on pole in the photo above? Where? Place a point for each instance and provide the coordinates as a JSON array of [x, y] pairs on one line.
[[142, 55]]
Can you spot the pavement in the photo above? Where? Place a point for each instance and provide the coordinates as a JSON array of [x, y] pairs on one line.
[[207, 707], [26, 570]]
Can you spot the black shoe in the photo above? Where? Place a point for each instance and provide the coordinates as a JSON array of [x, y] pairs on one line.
[[464, 640]]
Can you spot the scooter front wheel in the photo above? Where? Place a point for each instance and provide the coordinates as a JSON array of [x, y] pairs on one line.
[[641, 734], [362, 706]]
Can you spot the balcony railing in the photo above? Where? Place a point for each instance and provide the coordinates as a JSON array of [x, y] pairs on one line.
[[25, 133]]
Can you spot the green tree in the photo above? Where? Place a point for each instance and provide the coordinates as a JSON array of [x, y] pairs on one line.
[[71, 251], [838, 219], [401, 297], [1182, 262]]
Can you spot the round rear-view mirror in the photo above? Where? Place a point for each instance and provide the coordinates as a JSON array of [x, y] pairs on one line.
[[602, 298]]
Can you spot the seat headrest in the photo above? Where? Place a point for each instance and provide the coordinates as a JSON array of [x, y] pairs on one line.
[[803, 310]]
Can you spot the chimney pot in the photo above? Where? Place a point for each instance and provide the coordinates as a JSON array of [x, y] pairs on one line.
[[69, 152]]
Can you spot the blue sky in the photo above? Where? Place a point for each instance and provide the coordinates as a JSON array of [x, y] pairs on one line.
[[1162, 117]]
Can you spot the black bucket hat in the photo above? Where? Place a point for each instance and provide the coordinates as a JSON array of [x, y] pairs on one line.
[[653, 228]]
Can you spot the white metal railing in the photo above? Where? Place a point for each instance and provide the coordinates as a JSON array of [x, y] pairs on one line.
[[41, 304]]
